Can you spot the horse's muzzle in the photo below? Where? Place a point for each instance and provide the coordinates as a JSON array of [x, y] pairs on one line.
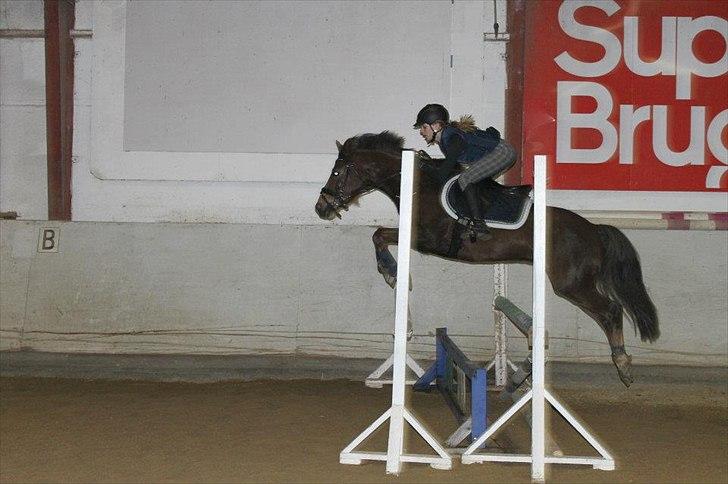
[[326, 210]]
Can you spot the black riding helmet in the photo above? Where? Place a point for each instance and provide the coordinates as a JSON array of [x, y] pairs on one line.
[[431, 113]]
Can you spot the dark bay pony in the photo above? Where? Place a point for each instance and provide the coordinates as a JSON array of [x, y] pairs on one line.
[[595, 267]]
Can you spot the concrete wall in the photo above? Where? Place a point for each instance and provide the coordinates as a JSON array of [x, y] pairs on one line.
[[272, 278], [236, 288], [22, 113], [375, 73]]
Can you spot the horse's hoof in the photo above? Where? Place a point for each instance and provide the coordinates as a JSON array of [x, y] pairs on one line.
[[391, 280], [623, 362], [386, 269]]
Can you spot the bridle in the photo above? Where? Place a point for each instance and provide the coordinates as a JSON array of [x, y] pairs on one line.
[[337, 197]]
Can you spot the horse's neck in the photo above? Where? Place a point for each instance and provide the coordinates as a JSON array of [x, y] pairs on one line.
[[390, 182], [388, 169], [388, 177], [390, 187]]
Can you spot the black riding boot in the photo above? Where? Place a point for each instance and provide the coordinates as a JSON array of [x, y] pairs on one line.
[[476, 209]]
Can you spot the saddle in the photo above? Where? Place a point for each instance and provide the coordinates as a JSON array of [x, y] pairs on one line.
[[507, 207]]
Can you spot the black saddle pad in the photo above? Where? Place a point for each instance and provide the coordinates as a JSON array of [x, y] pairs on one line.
[[507, 207]]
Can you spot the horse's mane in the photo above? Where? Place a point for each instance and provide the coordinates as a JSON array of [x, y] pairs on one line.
[[386, 141]]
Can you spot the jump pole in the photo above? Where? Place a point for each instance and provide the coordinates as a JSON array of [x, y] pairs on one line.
[[397, 414]]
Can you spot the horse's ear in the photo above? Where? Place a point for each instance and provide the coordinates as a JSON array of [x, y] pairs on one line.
[[339, 145]]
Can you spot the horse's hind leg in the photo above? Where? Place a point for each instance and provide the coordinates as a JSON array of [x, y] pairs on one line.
[[608, 314], [613, 329], [386, 265]]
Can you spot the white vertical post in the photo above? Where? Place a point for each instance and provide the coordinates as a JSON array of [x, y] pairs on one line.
[[397, 413], [500, 360], [538, 431], [404, 245], [500, 288], [538, 395]]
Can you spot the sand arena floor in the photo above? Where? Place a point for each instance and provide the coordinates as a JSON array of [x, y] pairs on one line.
[[63, 430]]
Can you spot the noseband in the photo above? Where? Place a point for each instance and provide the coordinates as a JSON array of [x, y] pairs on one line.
[[338, 198]]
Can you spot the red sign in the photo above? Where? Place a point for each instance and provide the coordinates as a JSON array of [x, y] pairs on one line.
[[628, 95]]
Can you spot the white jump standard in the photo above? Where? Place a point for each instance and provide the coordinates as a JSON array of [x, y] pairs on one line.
[[538, 395], [397, 413], [375, 379]]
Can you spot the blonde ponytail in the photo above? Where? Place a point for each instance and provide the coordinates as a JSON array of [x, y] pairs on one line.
[[466, 123]]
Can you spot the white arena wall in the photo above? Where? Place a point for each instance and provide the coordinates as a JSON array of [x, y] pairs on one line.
[[193, 232], [314, 289]]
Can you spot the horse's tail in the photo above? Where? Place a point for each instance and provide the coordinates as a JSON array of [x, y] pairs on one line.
[[621, 280]]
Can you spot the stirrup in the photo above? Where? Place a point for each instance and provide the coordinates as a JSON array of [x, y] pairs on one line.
[[479, 226], [475, 229]]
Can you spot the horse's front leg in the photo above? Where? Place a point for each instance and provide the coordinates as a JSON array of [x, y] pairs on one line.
[[386, 265]]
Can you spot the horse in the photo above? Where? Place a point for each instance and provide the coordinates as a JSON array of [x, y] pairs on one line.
[[595, 267]]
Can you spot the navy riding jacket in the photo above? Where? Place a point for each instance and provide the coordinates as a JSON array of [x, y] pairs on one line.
[[463, 147]]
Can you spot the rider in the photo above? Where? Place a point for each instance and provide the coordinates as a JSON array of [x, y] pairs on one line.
[[483, 154]]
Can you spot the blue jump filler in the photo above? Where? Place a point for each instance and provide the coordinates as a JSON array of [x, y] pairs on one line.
[[456, 377]]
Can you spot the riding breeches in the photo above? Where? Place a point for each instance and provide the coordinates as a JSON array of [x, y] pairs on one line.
[[494, 162]]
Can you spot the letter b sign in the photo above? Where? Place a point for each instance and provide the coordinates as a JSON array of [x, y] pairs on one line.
[[48, 239]]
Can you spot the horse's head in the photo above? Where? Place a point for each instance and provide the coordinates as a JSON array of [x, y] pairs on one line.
[[356, 171]]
